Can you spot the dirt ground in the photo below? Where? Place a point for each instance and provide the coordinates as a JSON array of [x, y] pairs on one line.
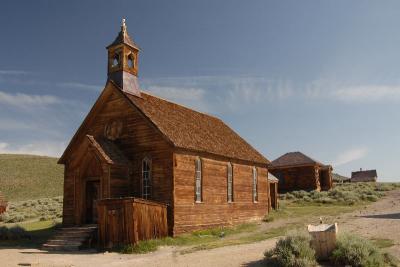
[[379, 220]]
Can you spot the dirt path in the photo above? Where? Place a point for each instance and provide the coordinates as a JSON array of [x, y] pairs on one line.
[[379, 220]]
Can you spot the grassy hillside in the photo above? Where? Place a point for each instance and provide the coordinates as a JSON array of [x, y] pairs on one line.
[[25, 177]]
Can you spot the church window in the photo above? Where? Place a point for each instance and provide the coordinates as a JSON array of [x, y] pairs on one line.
[[198, 178], [146, 178]]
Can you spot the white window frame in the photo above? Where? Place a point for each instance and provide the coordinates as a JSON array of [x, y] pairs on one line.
[[146, 177], [198, 187], [230, 182], [255, 187]]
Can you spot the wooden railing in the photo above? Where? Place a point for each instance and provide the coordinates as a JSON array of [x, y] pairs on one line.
[[125, 221]]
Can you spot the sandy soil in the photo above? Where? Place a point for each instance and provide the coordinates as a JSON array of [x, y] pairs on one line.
[[379, 220]]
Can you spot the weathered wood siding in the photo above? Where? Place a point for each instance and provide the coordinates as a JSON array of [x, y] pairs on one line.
[[297, 178], [215, 209], [129, 220], [139, 139]]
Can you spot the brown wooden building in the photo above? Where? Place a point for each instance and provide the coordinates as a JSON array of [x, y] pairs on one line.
[[134, 144], [364, 176], [296, 171]]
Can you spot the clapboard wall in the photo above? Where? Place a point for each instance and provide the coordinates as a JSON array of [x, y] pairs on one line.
[[214, 210]]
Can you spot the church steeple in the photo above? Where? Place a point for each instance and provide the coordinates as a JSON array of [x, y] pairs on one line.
[[123, 62]]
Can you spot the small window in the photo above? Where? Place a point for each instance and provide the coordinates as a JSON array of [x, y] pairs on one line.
[[198, 178], [230, 182], [131, 61], [116, 60], [146, 178], [255, 189]]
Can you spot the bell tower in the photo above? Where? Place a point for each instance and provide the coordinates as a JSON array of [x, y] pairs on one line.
[[123, 62]]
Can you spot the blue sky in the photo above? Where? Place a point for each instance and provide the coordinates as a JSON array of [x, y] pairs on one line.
[[321, 77]]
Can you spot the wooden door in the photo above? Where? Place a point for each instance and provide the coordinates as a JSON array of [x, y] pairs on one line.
[[115, 227], [92, 195]]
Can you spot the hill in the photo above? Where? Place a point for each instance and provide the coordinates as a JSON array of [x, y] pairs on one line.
[[24, 177]]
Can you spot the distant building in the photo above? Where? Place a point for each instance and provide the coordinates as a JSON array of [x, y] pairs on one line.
[[364, 176], [296, 171], [337, 178]]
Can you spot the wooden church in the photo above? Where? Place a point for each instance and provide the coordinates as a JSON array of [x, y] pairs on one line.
[[139, 163]]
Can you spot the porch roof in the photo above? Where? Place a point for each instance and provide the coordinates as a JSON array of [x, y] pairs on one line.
[[107, 150]]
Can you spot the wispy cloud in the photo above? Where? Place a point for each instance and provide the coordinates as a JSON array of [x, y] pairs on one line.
[[367, 93], [350, 156], [24, 100], [13, 72], [80, 86], [220, 93], [40, 148], [193, 97], [350, 93]]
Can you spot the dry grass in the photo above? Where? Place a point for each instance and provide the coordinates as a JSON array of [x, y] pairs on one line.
[[25, 177]]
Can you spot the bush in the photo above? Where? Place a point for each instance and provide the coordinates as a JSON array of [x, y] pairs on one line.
[[347, 193], [357, 252], [294, 250], [39, 209]]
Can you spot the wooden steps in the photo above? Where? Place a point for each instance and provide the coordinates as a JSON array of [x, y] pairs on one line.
[[71, 238]]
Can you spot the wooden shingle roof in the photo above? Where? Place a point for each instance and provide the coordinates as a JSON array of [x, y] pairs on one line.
[[272, 178], [192, 130], [124, 38], [294, 159]]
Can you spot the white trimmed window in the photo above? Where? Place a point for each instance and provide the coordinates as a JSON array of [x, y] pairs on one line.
[[198, 178], [255, 189], [146, 178], [230, 182]]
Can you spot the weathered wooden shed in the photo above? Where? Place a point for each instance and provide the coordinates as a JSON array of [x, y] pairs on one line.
[[273, 191], [134, 144], [296, 171], [364, 176]]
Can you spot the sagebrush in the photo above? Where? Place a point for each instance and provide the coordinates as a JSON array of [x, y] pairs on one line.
[[43, 209], [293, 250], [346, 193], [357, 252]]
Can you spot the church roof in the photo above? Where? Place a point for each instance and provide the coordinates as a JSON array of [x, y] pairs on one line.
[[193, 130], [294, 159]]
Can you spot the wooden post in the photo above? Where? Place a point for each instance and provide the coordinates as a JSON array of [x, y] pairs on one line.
[[323, 239]]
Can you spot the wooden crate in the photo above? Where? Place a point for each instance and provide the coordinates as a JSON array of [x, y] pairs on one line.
[[125, 221]]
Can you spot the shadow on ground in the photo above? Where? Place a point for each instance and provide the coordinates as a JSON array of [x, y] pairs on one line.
[[383, 216], [35, 241]]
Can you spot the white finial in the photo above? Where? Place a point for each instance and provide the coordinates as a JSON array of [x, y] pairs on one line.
[[123, 25]]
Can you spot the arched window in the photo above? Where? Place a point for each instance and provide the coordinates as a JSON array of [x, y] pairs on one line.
[[116, 60], [255, 189], [198, 178], [146, 178], [230, 182], [131, 61]]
